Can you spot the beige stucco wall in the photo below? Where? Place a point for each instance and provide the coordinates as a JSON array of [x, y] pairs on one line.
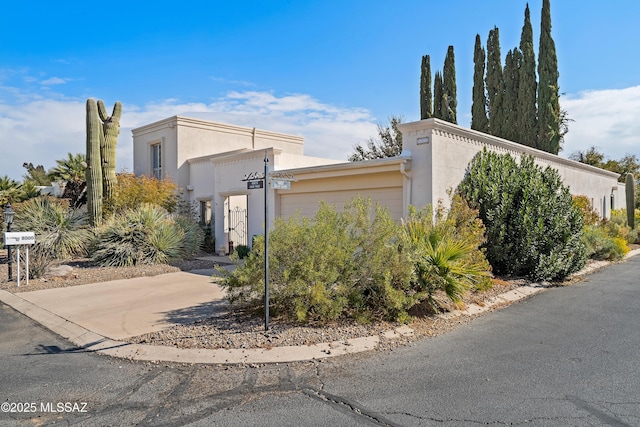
[[446, 149], [185, 138], [382, 181], [163, 132]]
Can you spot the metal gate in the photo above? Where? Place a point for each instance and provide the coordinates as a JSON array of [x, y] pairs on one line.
[[237, 227]]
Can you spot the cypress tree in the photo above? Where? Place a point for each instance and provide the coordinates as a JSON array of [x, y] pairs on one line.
[[527, 120], [494, 83], [479, 119], [548, 99], [511, 77], [438, 93], [450, 100], [425, 89]]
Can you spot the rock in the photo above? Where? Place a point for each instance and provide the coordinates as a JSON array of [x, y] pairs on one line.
[[60, 271]]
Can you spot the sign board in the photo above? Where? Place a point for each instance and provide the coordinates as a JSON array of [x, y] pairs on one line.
[[254, 185], [19, 238], [423, 140], [280, 184]]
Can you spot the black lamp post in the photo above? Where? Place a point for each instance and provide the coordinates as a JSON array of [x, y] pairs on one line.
[[8, 219]]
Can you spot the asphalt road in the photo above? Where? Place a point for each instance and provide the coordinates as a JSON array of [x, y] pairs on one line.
[[568, 356]]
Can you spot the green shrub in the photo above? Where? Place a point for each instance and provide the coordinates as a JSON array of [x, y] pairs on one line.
[[378, 274], [336, 264], [601, 246], [242, 251], [533, 227], [147, 235], [61, 232]]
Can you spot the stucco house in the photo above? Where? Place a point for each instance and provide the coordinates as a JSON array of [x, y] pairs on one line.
[[216, 166]]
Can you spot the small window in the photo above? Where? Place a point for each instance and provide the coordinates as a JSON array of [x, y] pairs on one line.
[[156, 161]]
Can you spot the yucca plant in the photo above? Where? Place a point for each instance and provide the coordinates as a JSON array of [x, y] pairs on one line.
[[61, 232], [193, 235], [147, 235]]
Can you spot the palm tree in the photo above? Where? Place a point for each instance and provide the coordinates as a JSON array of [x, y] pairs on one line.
[[10, 191], [72, 172], [70, 169]]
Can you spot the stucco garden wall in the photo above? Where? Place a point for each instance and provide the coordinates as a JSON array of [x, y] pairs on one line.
[[446, 149]]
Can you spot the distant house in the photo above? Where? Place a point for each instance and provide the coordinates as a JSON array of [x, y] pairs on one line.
[[213, 164]]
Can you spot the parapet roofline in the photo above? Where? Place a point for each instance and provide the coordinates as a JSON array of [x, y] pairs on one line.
[[174, 121], [474, 135]]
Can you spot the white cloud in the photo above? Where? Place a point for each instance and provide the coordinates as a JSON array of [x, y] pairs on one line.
[[43, 130], [54, 81], [607, 119], [40, 130]]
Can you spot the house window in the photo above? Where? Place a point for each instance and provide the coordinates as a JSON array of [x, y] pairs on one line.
[[156, 161]]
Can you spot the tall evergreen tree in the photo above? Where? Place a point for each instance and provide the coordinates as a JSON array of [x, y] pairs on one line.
[[450, 100], [425, 89], [527, 120], [548, 90], [479, 120], [438, 95], [494, 83], [511, 78]]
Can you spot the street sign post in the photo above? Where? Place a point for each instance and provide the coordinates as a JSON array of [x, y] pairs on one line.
[[277, 181]]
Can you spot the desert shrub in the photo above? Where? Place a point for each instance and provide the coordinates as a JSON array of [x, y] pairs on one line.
[[335, 264], [601, 246], [445, 249], [61, 232], [147, 235], [617, 226], [131, 192], [591, 217], [533, 227], [378, 276]]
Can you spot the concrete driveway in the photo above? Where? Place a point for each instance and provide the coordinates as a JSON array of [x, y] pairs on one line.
[[125, 308]]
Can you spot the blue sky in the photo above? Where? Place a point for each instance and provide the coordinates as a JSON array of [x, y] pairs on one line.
[[327, 70]]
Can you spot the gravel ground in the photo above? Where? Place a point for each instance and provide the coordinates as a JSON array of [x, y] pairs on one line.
[[241, 329]]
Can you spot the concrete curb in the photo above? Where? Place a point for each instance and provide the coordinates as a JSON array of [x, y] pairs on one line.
[[88, 341]]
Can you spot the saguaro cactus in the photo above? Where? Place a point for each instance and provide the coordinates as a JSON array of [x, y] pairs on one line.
[[94, 167], [111, 128], [630, 189], [102, 137]]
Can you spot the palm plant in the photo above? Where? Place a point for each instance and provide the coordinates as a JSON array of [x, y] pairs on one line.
[[445, 258], [71, 171], [10, 191], [29, 190]]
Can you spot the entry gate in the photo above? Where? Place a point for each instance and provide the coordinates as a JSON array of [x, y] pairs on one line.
[[237, 227]]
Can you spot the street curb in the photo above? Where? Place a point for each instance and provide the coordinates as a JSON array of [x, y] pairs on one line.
[[88, 341]]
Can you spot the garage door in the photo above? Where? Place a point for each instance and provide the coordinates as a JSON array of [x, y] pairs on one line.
[[307, 203]]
